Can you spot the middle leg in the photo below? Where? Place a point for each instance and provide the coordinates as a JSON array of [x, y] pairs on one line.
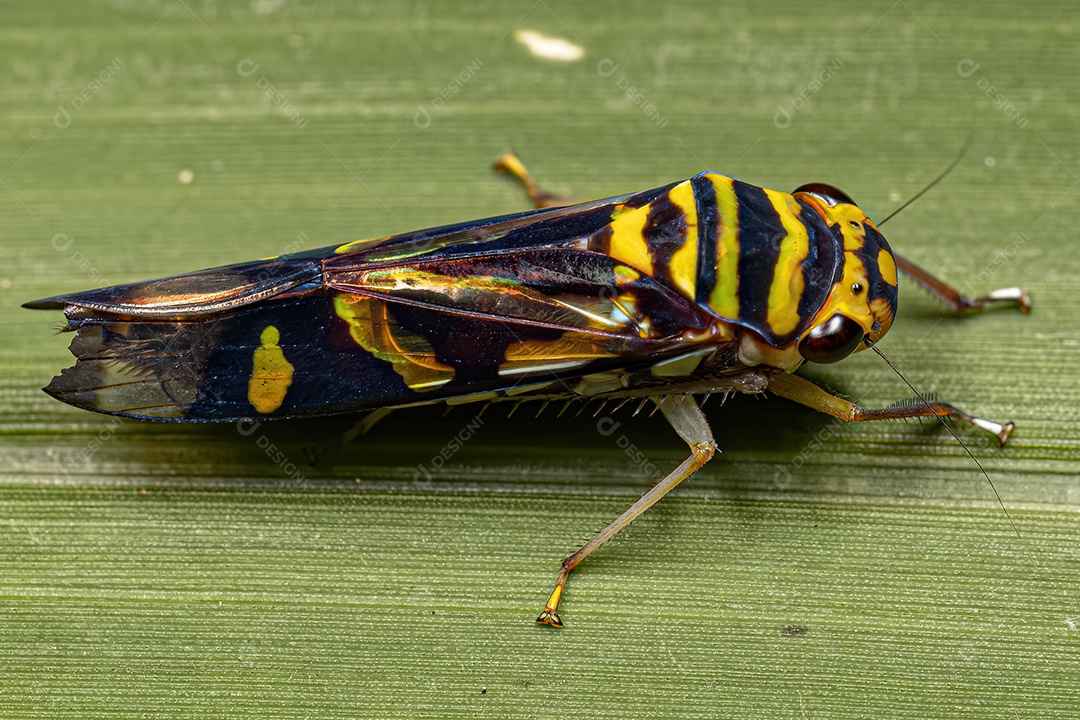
[[689, 422]]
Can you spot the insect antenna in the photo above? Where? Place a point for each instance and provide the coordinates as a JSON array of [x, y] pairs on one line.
[[951, 432], [932, 183]]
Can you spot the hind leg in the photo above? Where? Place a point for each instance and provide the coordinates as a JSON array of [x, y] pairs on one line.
[[688, 421], [958, 301], [511, 164]]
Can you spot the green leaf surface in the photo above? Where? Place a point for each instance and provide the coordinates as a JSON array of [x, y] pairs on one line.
[[814, 569]]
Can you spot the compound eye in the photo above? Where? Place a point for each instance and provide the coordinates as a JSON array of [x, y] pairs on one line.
[[833, 194], [832, 341]]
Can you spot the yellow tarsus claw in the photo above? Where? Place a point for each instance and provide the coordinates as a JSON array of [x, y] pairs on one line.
[[550, 616]]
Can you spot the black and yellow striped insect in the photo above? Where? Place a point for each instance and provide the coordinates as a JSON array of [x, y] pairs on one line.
[[709, 285]]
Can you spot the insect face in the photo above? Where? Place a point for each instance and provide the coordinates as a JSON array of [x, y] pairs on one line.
[[862, 302]]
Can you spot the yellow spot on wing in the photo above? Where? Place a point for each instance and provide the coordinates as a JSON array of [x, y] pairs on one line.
[[271, 373], [625, 274], [684, 260], [787, 281], [411, 355], [725, 295]]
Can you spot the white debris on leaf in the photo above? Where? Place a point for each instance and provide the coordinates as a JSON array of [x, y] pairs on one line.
[[549, 48]]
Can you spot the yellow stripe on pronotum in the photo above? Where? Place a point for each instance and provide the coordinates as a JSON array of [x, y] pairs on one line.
[[787, 282], [684, 261], [628, 239], [725, 296]]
